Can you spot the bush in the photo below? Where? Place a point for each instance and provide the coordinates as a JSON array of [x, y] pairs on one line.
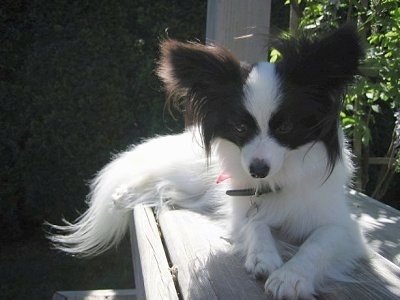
[[371, 104], [77, 84]]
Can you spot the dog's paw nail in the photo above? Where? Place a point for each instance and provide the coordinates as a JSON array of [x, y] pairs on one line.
[[262, 264], [283, 284]]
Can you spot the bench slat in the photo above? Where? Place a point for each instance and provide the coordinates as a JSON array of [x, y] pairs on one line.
[[380, 224], [205, 270], [96, 295], [155, 274]]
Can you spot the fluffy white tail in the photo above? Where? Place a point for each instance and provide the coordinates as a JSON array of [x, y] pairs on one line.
[[146, 174]]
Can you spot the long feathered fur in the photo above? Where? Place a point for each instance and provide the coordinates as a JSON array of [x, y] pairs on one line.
[[140, 175]]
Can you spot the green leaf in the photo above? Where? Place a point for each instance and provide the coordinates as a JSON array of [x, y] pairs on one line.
[[376, 108], [275, 55]]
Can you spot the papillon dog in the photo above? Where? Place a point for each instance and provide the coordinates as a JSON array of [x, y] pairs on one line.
[[263, 145]]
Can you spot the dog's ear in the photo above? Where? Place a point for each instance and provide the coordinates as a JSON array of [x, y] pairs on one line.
[[189, 67], [195, 74], [329, 63], [315, 74], [203, 81]]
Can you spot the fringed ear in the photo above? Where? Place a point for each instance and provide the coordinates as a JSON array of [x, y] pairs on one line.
[[329, 63], [195, 75], [315, 74]]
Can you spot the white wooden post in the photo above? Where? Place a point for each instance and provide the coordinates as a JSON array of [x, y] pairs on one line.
[[241, 26]]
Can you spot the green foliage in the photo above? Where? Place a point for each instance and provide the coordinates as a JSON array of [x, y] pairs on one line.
[[275, 55], [379, 23], [374, 99], [320, 16], [77, 82]]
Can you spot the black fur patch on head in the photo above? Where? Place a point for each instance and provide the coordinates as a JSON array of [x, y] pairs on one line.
[[314, 75], [207, 82]]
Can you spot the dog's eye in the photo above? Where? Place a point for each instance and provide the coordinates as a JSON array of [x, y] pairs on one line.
[[241, 128], [285, 127]]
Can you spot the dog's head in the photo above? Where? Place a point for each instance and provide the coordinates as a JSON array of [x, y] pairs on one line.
[[264, 110]]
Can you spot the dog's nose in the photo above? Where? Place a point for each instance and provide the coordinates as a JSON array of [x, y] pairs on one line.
[[259, 168]]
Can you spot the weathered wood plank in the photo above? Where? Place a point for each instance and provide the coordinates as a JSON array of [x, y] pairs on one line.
[[380, 160], [157, 279], [376, 279], [380, 224], [136, 263], [241, 26], [96, 295], [208, 270]]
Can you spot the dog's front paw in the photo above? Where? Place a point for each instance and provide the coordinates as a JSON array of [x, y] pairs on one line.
[[289, 284], [262, 264]]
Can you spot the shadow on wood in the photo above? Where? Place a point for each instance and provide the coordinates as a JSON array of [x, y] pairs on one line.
[[208, 270]]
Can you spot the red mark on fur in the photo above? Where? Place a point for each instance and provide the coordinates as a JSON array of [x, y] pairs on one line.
[[222, 177]]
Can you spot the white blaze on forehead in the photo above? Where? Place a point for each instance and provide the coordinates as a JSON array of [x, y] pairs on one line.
[[262, 93]]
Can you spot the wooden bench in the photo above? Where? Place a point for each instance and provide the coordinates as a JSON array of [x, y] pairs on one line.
[[130, 294], [184, 256], [181, 255]]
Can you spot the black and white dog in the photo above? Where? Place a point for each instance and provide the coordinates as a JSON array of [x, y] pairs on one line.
[[270, 134]]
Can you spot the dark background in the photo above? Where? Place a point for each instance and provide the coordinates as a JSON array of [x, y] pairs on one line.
[[77, 84]]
